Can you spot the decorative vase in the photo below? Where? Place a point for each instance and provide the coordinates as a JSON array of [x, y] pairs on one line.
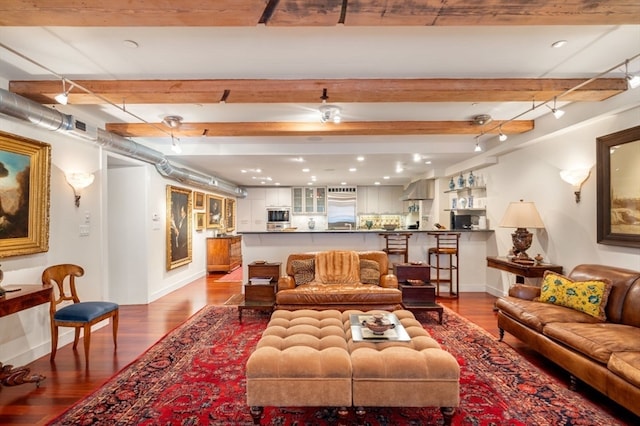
[[452, 184], [461, 181], [471, 179], [311, 224], [368, 224], [539, 258]]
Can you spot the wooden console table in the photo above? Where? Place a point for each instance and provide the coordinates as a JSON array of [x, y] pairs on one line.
[[522, 271], [26, 296]]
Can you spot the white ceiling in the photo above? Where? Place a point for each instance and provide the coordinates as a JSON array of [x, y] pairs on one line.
[[93, 53]]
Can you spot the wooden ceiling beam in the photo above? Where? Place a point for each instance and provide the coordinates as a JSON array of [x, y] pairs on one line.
[[358, 128], [198, 13], [309, 91]]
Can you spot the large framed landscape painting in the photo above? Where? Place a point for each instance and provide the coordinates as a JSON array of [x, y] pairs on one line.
[[618, 188], [24, 195], [179, 226]]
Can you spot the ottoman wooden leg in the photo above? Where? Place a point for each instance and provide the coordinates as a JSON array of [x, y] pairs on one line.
[[343, 413], [256, 413], [447, 413], [360, 413]]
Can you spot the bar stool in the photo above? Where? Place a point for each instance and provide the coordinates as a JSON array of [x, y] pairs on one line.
[[397, 244], [446, 244]]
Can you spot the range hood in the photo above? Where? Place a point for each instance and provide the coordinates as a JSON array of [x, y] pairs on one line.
[[423, 189]]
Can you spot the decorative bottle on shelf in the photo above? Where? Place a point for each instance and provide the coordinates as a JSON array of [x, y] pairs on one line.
[[461, 181], [471, 179], [311, 224], [452, 184]]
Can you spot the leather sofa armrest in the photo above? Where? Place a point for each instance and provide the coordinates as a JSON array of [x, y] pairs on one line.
[[522, 291], [389, 281], [286, 282]]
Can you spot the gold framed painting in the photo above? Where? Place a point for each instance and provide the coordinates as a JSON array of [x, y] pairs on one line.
[[178, 226], [618, 192], [230, 214], [215, 211], [200, 218], [25, 167], [198, 200]]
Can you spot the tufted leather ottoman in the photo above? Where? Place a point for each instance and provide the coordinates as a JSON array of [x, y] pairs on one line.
[[308, 358], [301, 361], [403, 374]]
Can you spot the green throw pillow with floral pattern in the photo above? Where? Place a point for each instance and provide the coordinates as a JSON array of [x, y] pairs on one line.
[[589, 297]]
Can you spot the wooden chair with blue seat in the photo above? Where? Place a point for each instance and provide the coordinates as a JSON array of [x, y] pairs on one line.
[[80, 315]]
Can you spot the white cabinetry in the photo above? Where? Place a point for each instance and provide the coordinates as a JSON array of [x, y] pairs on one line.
[[380, 199], [251, 212], [309, 200], [278, 197]]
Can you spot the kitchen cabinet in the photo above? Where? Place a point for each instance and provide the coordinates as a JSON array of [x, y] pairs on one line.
[[278, 197], [224, 254], [251, 215], [379, 199], [309, 200]]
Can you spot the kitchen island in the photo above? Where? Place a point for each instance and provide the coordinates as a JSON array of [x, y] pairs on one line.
[[475, 246]]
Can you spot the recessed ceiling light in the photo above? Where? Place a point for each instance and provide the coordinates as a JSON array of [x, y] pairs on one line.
[[305, 170], [343, 183], [399, 169], [427, 162], [352, 169], [277, 184], [299, 160], [558, 44], [309, 183], [360, 158], [258, 170], [376, 183], [417, 157], [243, 171], [386, 177]]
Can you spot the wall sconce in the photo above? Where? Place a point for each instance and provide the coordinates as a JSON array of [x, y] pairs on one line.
[[576, 178], [79, 181]]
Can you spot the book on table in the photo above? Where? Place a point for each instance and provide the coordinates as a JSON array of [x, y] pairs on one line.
[[260, 280]]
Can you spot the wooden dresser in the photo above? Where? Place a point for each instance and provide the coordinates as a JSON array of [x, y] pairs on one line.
[[224, 254]]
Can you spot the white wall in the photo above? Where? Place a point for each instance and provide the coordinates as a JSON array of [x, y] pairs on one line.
[[532, 174]]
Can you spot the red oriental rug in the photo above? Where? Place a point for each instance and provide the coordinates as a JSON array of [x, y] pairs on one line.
[[195, 376], [235, 275]]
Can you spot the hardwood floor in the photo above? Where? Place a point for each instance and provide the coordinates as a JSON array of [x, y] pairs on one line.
[[142, 325]]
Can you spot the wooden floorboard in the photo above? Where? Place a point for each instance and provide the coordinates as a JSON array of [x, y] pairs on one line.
[[142, 325]]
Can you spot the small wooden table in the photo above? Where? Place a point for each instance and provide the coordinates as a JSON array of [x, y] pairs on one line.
[[19, 298], [260, 297], [521, 270]]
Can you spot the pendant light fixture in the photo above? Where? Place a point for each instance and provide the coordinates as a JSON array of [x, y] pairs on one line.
[[63, 97], [328, 112]]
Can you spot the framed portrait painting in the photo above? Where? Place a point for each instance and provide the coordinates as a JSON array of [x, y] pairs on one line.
[[198, 200], [618, 191], [200, 218], [215, 212], [24, 195], [230, 214], [178, 226]]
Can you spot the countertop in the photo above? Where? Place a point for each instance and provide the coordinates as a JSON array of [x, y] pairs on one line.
[[366, 231]]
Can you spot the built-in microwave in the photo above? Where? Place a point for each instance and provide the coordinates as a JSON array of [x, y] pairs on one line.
[[278, 214]]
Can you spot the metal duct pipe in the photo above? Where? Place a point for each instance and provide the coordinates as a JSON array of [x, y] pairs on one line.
[[25, 109]]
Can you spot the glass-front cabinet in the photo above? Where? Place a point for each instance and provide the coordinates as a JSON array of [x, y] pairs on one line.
[[309, 200]]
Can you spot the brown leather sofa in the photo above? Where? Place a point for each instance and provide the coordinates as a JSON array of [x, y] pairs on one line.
[[604, 355], [337, 281]]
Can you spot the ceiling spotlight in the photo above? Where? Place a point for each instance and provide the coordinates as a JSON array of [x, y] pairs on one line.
[[329, 112], [481, 119], [559, 43], [633, 80], [63, 98], [502, 137], [174, 146], [172, 121], [477, 148], [557, 113]]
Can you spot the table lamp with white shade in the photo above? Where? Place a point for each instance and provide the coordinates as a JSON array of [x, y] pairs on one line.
[[521, 215]]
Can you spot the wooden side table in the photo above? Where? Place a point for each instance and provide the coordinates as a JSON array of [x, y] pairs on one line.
[[15, 300], [260, 297], [420, 298], [522, 271]]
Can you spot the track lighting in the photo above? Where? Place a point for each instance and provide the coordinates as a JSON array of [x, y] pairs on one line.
[[557, 113], [478, 148], [329, 112], [633, 80], [174, 145], [502, 137], [63, 98], [172, 121]]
